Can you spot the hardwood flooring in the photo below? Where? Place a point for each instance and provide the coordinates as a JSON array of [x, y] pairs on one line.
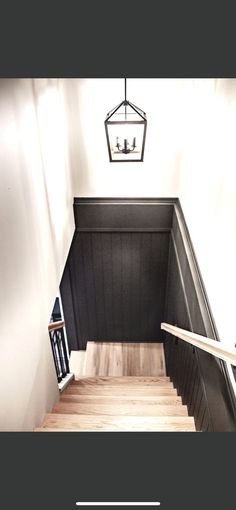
[[119, 359]]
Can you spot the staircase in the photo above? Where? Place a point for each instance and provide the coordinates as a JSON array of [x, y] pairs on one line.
[[104, 396]]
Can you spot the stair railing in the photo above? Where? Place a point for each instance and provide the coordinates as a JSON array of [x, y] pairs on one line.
[[218, 349], [58, 344]]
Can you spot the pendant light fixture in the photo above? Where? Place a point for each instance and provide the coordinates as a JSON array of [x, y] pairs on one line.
[[125, 127]]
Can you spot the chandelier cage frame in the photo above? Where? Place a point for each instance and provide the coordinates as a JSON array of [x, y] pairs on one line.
[[140, 120]]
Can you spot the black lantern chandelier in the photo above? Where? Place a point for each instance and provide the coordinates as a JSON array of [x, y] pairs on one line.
[[125, 127]]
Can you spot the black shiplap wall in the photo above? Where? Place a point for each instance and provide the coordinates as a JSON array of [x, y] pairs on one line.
[[117, 270], [119, 285]]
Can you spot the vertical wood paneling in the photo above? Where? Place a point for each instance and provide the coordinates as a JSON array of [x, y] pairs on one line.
[[118, 285], [76, 279], [126, 282], [181, 359], [68, 308], [133, 269], [80, 279], [98, 296], [106, 244]]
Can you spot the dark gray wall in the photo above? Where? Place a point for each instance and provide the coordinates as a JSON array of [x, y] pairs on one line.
[[200, 378], [115, 276]]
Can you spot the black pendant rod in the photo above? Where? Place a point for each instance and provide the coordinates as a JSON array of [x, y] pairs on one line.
[[125, 101]]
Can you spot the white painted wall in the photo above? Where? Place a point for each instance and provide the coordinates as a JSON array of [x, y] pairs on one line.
[[208, 192], [37, 183]]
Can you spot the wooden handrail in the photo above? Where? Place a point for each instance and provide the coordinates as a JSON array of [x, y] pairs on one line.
[[218, 349], [56, 325]]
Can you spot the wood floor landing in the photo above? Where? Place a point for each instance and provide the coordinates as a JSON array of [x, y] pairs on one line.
[[119, 359]]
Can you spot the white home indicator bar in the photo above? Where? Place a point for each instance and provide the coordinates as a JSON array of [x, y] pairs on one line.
[[118, 503]]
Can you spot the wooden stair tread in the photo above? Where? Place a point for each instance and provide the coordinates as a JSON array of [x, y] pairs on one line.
[[126, 399], [124, 345], [113, 423], [130, 380], [158, 428], [117, 409], [119, 390]]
